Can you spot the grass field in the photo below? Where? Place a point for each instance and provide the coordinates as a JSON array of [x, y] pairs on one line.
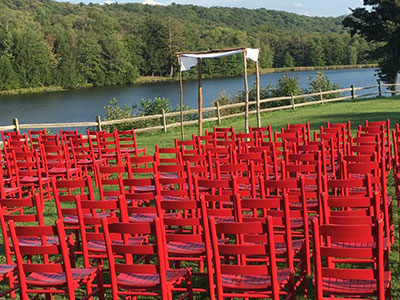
[[356, 111]]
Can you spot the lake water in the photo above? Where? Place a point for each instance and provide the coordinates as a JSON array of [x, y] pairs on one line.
[[86, 104]]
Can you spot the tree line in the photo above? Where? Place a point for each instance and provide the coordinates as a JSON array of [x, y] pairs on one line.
[[47, 43]]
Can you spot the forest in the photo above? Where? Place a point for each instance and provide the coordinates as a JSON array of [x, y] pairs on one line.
[[48, 43]]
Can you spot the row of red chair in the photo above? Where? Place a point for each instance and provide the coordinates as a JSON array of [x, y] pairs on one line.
[[280, 184]]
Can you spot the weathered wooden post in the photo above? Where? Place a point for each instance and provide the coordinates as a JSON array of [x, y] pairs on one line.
[[16, 124], [200, 87], [353, 92], [246, 89], [292, 101], [258, 95], [181, 96], [164, 121], [321, 96], [380, 88], [218, 114], [98, 120]]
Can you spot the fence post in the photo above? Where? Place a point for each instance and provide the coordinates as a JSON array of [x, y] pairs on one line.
[[218, 114], [321, 97], [353, 92], [380, 88], [292, 101], [16, 124], [164, 121], [98, 120]]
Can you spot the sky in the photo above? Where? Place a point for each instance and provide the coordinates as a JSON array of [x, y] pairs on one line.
[[304, 7]]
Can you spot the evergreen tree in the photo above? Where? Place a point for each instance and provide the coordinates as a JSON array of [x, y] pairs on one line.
[[8, 77]]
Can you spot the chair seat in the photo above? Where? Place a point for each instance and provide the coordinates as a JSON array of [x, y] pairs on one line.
[[148, 188], [52, 279], [280, 248], [37, 241], [135, 280], [174, 198], [224, 219], [5, 269], [100, 246], [62, 170], [139, 217], [359, 245], [189, 248], [72, 219], [169, 175], [10, 191], [312, 203], [31, 179], [353, 286], [253, 282]]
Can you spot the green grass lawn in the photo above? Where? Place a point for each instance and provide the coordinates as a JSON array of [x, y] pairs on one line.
[[357, 111]]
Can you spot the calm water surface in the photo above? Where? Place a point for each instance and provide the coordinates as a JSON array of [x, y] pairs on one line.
[[86, 104]]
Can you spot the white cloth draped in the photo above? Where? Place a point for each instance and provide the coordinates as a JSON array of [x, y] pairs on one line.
[[190, 60]]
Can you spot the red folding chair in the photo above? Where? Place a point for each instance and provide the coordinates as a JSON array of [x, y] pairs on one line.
[[138, 277], [126, 140], [352, 272], [188, 238], [46, 268], [236, 276]]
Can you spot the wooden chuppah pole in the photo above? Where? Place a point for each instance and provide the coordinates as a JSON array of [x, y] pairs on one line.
[[246, 88], [258, 94], [181, 96], [200, 104]]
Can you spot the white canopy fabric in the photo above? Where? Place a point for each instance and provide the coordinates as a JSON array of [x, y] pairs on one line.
[[190, 60]]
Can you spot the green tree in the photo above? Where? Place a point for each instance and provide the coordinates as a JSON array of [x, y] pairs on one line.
[[8, 77], [380, 23], [288, 60], [31, 57], [91, 59]]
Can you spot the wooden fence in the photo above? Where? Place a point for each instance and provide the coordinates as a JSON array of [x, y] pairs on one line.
[[218, 116]]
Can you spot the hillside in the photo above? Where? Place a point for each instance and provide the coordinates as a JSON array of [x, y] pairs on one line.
[[48, 43]]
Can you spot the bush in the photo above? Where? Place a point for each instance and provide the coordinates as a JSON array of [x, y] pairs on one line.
[[322, 83], [147, 107]]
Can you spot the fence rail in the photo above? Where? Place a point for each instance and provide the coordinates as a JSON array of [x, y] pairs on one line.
[[318, 98]]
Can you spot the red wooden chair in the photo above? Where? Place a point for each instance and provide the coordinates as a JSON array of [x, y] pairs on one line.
[[304, 129], [236, 276], [290, 248], [84, 156], [337, 274], [35, 138], [263, 134], [58, 162], [175, 184], [188, 238], [189, 147], [109, 180], [126, 140], [48, 269], [26, 211], [108, 148], [30, 168], [93, 243], [138, 277], [9, 186], [298, 203], [142, 195]]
